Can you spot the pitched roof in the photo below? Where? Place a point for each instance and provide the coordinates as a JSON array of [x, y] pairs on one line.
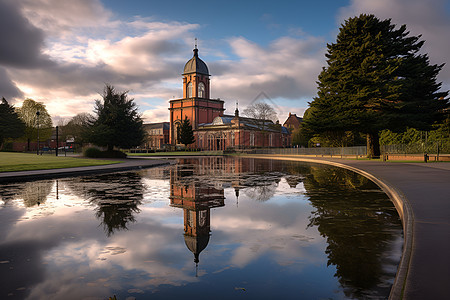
[[164, 125]]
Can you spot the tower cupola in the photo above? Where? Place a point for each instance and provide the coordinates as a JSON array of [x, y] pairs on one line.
[[196, 78], [196, 65]]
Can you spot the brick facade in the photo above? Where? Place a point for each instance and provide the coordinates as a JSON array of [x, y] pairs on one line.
[[157, 135], [293, 122], [212, 129]]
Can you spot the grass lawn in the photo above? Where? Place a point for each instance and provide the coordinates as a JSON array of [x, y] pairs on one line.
[[178, 153], [10, 162]]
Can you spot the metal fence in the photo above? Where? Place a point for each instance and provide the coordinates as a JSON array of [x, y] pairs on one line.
[[334, 151], [430, 148], [418, 148]]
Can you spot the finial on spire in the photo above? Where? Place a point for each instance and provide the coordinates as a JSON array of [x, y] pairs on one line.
[[195, 49]]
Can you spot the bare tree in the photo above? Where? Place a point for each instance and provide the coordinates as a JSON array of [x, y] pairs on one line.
[[77, 127], [262, 113]]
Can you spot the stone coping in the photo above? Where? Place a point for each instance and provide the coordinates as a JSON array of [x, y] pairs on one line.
[[126, 165]]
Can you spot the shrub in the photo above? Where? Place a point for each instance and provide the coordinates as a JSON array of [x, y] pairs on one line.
[[97, 153], [114, 154], [93, 152]]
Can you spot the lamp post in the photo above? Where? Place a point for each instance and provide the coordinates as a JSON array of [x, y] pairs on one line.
[[57, 141], [37, 116]]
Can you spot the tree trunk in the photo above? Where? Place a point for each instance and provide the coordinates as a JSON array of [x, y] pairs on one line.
[[373, 145], [28, 144]]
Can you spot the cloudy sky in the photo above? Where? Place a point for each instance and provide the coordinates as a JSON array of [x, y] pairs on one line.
[[62, 52]]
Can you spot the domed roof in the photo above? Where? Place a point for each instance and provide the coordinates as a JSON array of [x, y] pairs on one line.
[[195, 65], [196, 244]]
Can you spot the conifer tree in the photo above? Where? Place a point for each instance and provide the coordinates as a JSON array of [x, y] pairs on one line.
[[376, 79], [11, 126], [117, 122], [186, 136]]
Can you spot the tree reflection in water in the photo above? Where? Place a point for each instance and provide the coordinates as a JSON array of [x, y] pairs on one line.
[[358, 223], [357, 220], [116, 196], [10, 191], [32, 192], [36, 192]]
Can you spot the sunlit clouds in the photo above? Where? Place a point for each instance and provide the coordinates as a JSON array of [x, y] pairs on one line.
[[63, 52]]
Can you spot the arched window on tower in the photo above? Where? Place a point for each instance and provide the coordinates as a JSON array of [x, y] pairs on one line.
[[189, 90], [201, 90]]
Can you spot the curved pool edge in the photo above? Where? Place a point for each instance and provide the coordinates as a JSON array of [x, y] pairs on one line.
[[125, 165], [401, 204]]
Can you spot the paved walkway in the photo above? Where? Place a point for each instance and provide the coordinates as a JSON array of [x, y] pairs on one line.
[[422, 193], [128, 164]]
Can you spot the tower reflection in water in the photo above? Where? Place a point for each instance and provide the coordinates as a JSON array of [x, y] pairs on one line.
[[197, 185], [196, 199]]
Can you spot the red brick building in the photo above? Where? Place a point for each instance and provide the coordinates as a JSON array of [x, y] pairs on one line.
[[213, 130], [157, 135], [293, 122]]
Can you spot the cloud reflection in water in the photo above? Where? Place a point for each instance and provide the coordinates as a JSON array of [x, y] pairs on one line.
[[258, 225]]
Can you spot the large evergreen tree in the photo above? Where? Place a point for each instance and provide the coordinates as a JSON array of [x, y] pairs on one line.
[[186, 136], [117, 122], [11, 126], [376, 79]]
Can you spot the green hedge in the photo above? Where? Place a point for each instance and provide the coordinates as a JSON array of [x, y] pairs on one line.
[[97, 153]]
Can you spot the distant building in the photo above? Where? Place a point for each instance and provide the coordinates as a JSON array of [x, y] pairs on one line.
[[44, 145], [157, 135], [293, 122], [212, 129], [239, 132]]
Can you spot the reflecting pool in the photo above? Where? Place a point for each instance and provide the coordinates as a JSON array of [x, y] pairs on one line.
[[205, 228]]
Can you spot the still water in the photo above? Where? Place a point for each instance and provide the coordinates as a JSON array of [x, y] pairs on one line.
[[207, 228]]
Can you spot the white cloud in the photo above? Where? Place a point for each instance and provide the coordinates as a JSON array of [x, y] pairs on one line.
[[86, 46], [61, 18], [287, 68], [138, 56], [81, 45], [157, 114]]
